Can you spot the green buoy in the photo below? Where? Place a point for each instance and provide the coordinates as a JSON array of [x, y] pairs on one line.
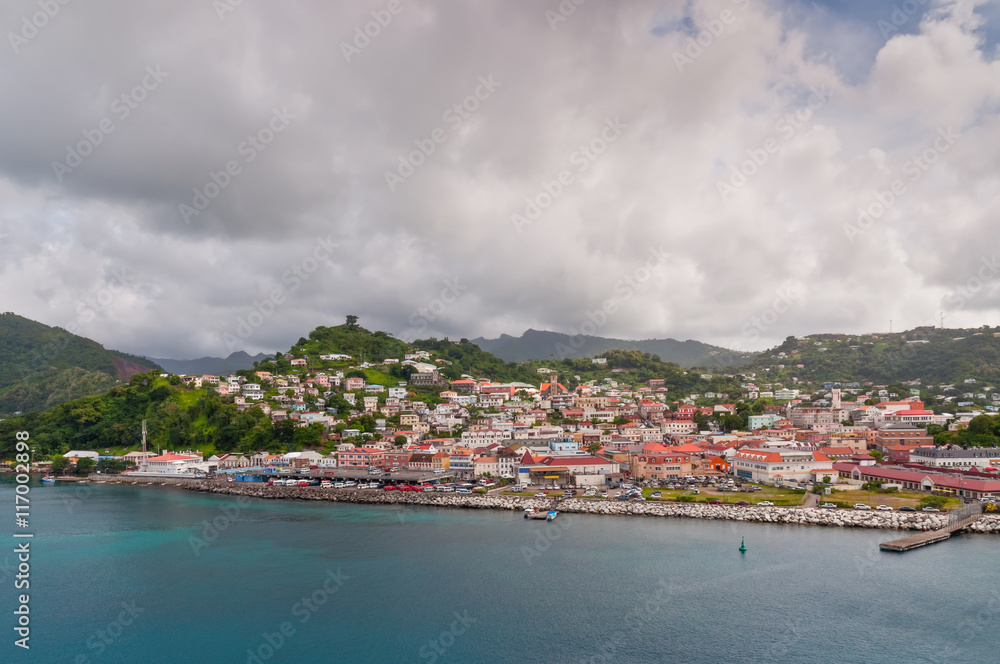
[[743, 546]]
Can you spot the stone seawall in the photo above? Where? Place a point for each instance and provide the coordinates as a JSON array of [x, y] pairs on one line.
[[843, 518]]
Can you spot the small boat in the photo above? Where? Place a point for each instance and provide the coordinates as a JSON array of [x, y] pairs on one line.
[[50, 479], [539, 513]]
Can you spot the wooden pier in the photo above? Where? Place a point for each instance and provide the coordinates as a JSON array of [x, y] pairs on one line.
[[957, 520]]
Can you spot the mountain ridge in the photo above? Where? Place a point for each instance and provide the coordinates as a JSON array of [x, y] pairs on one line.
[[210, 365], [545, 345]]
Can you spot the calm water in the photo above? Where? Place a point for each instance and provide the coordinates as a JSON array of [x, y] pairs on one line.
[[427, 585]]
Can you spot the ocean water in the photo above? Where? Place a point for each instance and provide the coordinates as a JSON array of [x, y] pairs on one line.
[[134, 574]]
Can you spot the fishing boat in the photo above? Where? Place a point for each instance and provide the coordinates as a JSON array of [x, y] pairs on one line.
[[539, 513], [49, 479]]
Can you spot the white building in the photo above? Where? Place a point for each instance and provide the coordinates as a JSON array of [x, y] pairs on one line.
[[252, 391], [954, 456], [774, 466], [174, 465], [484, 437]]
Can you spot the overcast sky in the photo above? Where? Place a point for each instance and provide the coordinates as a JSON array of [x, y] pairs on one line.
[[687, 169]]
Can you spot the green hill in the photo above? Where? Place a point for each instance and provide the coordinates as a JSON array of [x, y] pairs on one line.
[[42, 366], [177, 418], [931, 355]]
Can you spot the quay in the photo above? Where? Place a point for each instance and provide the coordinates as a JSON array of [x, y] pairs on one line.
[[957, 520]]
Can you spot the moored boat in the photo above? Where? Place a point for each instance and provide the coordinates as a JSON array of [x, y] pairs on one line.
[[539, 513]]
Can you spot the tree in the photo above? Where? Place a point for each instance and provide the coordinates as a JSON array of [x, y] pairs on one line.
[[935, 429], [878, 455], [84, 465], [826, 479], [284, 434], [982, 424], [111, 465], [59, 463], [352, 322], [399, 441], [593, 447]]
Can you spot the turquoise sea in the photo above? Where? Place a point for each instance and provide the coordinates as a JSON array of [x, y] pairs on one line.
[[139, 574]]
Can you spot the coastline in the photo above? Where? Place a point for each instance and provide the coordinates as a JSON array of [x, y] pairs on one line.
[[840, 518]]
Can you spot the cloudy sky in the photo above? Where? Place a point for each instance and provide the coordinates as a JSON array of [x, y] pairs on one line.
[[191, 177]]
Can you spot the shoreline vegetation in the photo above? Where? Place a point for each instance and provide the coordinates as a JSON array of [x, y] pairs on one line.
[[844, 518]]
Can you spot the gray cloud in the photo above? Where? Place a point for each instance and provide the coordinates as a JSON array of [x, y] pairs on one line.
[[323, 174]]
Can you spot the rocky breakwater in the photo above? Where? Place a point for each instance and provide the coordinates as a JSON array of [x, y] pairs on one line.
[[842, 518]]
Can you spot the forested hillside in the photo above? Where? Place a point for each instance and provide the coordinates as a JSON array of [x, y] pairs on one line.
[[42, 366]]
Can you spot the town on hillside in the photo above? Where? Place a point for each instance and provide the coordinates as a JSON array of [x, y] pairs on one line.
[[839, 441]]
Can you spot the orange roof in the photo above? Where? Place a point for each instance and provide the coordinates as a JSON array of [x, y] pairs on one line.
[[760, 455]]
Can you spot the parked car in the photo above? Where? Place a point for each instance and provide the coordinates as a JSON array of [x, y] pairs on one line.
[[861, 506], [656, 494], [884, 508], [829, 506], [389, 487], [931, 509], [714, 501], [541, 495], [326, 484], [742, 502], [766, 503], [907, 508]]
